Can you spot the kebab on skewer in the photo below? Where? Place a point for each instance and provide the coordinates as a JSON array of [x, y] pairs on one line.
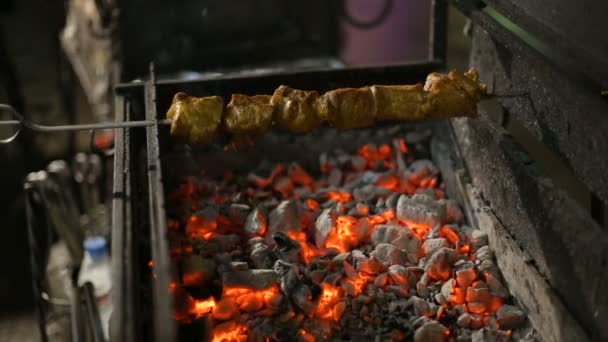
[[199, 120]]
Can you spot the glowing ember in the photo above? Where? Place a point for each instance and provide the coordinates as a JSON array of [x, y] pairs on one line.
[[326, 263]]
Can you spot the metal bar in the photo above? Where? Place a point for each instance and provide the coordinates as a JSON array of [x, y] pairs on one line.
[[92, 313], [164, 325]]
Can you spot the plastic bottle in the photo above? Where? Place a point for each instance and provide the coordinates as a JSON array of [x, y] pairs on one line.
[[96, 268]]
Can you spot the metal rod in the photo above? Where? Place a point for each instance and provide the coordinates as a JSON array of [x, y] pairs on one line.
[[22, 122]]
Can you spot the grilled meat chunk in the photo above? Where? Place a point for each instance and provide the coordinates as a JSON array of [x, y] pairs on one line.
[[195, 120]]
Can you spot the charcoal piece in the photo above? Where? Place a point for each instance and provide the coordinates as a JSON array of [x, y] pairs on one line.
[[465, 273], [256, 223], [490, 335], [283, 185], [489, 267], [358, 256], [478, 239], [399, 236], [389, 254], [317, 276], [439, 265], [422, 307], [298, 175], [391, 201], [431, 332], [349, 270], [398, 290], [263, 257], [237, 213], [358, 163], [288, 275], [340, 258], [454, 212], [484, 253], [287, 249], [470, 321], [223, 261], [197, 271], [421, 209], [400, 305], [371, 266], [496, 287], [381, 280], [254, 241], [422, 289], [303, 299], [369, 192], [225, 309], [423, 166], [510, 317], [324, 225], [284, 217], [335, 178], [254, 279], [430, 246], [399, 275]]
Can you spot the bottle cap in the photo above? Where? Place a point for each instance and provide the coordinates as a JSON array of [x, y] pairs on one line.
[[95, 247]]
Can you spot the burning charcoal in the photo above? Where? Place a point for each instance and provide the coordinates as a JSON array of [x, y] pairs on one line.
[[225, 309], [358, 163], [254, 241], [324, 225], [284, 217], [339, 259], [237, 213], [254, 279], [335, 178], [490, 335], [422, 307], [401, 237], [439, 265], [317, 276], [479, 239], [369, 192], [239, 266], [465, 273], [478, 297], [470, 321], [398, 290], [399, 275], [451, 233], [283, 185], [197, 270], [422, 290], [440, 299], [288, 249], [371, 266], [496, 287], [510, 317], [298, 175], [349, 270], [484, 253], [202, 222], [302, 297], [451, 293], [431, 332], [389, 254], [489, 267], [421, 166], [381, 280], [418, 322], [454, 212], [430, 246], [329, 204], [391, 201], [263, 257], [256, 223], [421, 209], [223, 261]]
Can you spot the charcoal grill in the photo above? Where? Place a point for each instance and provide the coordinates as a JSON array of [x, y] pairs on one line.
[[554, 250]]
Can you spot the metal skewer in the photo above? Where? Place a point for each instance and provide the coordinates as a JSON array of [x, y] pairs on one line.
[[22, 122]]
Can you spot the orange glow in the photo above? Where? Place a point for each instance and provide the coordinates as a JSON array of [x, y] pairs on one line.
[[403, 146], [372, 154], [420, 229], [229, 332], [249, 299], [339, 196], [306, 337], [299, 176], [202, 307], [449, 234], [389, 182], [344, 235], [308, 251], [151, 264], [312, 204], [327, 302], [199, 227]]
